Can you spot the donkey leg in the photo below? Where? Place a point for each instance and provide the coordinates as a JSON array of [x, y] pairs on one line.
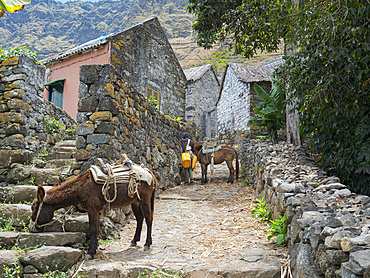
[[136, 209], [231, 171], [204, 174], [148, 215], [94, 231]]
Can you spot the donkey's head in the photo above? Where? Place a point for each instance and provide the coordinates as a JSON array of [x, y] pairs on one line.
[[41, 214]]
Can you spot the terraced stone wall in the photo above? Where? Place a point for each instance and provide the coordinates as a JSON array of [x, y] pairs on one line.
[[114, 118], [22, 115], [329, 226]]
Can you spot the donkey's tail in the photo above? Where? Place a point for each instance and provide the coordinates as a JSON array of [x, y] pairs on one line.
[[237, 164], [154, 186]]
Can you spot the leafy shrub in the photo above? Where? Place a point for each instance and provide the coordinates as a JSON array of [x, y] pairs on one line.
[[13, 271], [53, 126], [153, 101], [261, 210], [246, 182], [279, 228], [18, 51], [6, 224]]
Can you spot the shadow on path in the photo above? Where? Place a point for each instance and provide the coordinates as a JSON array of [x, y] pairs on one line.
[[201, 227]]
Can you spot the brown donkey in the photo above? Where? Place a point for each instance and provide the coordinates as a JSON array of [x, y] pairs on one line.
[[226, 153], [84, 191]]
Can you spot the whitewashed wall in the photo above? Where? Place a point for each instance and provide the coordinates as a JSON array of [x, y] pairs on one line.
[[233, 108], [201, 96]]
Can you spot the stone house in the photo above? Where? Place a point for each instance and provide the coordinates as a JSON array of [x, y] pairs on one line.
[[142, 55], [237, 97], [201, 96]]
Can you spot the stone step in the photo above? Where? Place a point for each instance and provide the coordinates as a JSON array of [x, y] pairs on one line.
[[61, 154], [49, 258], [62, 150], [263, 267], [38, 261], [34, 175], [66, 144], [50, 176], [8, 258], [16, 214], [27, 240], [19, 193], [61, 162], [79, 222]]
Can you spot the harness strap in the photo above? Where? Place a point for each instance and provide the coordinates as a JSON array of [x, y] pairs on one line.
[[34, 223]]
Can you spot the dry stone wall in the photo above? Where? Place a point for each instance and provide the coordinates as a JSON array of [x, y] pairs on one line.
[[144, 57], [22, 115], [114, 118], [329, 226]]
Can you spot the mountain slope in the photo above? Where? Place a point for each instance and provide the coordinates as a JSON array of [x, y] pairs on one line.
[[47, 27]]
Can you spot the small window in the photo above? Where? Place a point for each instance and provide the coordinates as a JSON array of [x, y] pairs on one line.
[[150, 92], [56, 92]]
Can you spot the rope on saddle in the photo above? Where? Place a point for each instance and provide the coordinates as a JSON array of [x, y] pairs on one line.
[[133, 185], [106, 186]]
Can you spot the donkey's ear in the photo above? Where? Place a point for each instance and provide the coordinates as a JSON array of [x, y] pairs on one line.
[[40, 194]]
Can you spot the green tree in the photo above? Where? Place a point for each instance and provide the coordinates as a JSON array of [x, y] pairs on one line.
[[330, 78], [252, 25], [218, 61], [328, 75]]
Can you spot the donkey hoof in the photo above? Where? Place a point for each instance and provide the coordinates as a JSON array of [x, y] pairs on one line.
[[146, 248], [133, 244], [89, 257]]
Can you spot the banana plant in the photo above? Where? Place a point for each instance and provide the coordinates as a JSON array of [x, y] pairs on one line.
[[271, 109], [12, 5]]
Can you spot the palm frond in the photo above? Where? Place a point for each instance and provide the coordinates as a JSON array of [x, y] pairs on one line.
[[263, 95], [257, 122]]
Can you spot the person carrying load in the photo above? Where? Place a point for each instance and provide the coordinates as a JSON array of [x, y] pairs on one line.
[[187, 150]]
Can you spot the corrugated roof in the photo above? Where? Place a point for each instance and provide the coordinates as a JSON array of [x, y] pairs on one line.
[[194, 74], [95, 43], [251, 73], [275, 63], [247, 74], [72, 51]]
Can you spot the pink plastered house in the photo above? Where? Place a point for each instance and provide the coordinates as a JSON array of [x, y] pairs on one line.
[[142, 55]]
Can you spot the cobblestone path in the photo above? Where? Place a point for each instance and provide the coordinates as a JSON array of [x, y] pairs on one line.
[[200, 228]]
